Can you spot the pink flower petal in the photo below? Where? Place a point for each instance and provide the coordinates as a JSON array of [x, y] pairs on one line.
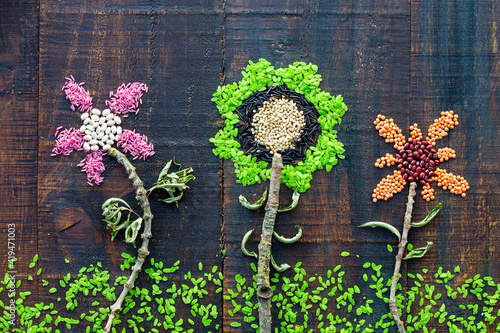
[[77, 95], [127, 98], [67, 141], [135, 144], [93, 166]]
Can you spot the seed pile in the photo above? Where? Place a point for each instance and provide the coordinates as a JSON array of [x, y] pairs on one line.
[[415, 132], [388, 160], [444, 154], [417, 161], [102, 129], [277, 120], [390, 131], [456, 184], [441, 126], [389, 186], [278, 124]]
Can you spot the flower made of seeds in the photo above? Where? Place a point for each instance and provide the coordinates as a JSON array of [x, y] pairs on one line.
[[417, 160], [278, 111], [100, 130]]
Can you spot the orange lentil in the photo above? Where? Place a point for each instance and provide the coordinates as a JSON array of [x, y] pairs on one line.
[[390, 131], [444, 154], [389, 186], [441, 126], [455, 184], [415, 132]]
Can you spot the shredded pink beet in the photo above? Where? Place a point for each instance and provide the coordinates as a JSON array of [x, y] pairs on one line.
[[67, 141], [127, 98], [135, 144], [77, 95], [93, 166]]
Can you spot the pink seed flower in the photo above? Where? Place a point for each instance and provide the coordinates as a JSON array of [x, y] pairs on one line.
[[127, 98], [136, 144], [77, 95], [92, 164], [101, 130], [67, 141]]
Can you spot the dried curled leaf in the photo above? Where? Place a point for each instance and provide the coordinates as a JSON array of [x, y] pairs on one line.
[[288, 240], [112, 211], [375, 224], [244, 202], [244, 249], [418, 253], [429, 217], [295, 201], [174, 183], [283, 267]]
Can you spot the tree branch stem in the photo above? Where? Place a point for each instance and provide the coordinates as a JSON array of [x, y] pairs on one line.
[[264, 291], [143, 252], [399, 258]]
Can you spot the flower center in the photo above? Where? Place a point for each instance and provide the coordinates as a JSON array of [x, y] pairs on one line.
[[278, 124], [102, 129], [277, 120], [417, 161]]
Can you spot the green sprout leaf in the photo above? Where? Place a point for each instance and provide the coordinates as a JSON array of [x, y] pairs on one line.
[[418, 253], [174, 183], [375, 224], [281, 268], [112, 211], [429, 217], [244, 202], [243, 245], [295, 201]]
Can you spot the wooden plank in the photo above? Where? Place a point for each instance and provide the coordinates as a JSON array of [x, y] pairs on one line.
[[18, 159], [455, 65], [362, 50], [176, 51]]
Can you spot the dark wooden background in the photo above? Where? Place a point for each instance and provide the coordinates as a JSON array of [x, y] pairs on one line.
[[408, 60]]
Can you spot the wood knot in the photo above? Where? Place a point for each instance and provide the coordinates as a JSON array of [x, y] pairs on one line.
[[264, 291]]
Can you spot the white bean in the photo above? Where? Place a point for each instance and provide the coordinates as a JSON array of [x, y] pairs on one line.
[[97, 112], [118, 121], [94, 148], [86, 146], [105, 112], [84, 115]]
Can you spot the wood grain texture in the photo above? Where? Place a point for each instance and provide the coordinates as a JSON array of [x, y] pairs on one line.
[[362, 51], [408, 60], [176, 51], [18, 121]]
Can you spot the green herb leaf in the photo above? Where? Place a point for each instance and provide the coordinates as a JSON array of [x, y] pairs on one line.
[[244, 202], [418, 253], [429, 217], [295, 201], [375, 224]]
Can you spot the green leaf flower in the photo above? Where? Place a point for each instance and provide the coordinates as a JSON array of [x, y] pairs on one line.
[[300, 79]]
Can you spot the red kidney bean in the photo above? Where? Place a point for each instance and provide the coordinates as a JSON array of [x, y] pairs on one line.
[[414, 141], [422, 182], [431, 163], [407, 145], [425, 143], [406, 163], [412, 147], [421, 175], [409, 159], [418, 170], [426, 165], [410, 179], [405, 176], [416, 155], [405, 155], [399, 166], [431, 174], [427, 160], [428, 147]]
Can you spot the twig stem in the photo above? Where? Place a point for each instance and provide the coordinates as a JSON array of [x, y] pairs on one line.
[[264, 291], [399, 258], [142, 253]]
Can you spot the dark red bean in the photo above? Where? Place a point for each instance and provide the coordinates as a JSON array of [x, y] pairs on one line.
[[436, 162], [421, 175], [409, 159], [429, 180], [401, 152], [400, 161], [410, 179], [416, 155], [405, 155], [406, 145], [422, 182], [408, 151], [414, 141], [433, 151], [431, 168], [398, 156], [418, 170], [405, 176], [420, 151], [406, 163], [399, 166], [412, 147], [425, 143], [431, 174], [428, 147], [427, 160], [426, 165], [413, 168], [431, 163]]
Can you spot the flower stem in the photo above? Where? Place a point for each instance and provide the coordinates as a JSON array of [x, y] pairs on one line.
[[399, 257], [264, 291], [141, 196]]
